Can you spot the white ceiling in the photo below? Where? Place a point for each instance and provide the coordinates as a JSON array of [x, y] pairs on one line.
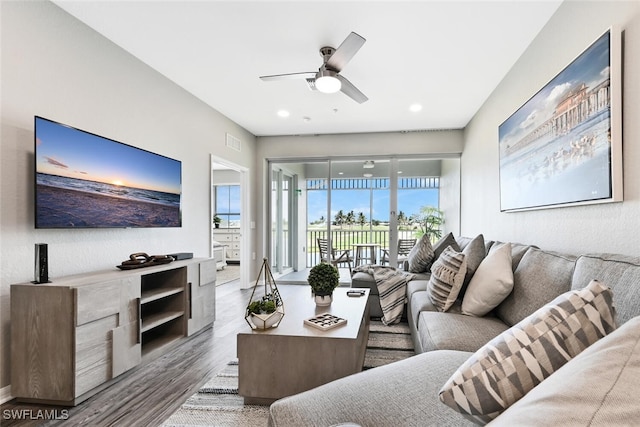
[[447, 56]]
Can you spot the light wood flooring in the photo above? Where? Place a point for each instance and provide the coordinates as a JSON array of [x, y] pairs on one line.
[[148, 395]]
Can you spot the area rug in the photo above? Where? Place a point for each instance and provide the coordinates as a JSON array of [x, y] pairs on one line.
[[387, 344], [217, 403]]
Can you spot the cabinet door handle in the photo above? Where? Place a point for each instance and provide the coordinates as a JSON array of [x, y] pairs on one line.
[[190, 300], [139, 322]]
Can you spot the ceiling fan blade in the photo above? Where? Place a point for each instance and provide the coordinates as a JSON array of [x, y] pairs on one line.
[[290, 76], [343, 54], [351, 91]]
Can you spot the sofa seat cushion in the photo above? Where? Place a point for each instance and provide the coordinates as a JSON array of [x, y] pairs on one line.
[[599, 387], [540, 277], [456, 331], [403, 393], [362, 279], [418, 303], [417, 285], [620, 272]]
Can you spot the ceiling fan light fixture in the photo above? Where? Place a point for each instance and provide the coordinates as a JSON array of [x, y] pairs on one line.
[[327, 82]]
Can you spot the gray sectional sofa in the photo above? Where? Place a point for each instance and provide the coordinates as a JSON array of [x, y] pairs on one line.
[[597, 387]]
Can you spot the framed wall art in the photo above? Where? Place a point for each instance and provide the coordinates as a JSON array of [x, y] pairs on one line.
[[564, 145]]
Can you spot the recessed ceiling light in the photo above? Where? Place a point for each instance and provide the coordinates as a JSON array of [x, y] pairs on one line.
[[283, 113], [414, 108], [367, 175]]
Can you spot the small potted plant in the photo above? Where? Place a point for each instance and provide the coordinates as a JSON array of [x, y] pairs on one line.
[[267, 311], [216, 221], [262, 312], [323, 279]]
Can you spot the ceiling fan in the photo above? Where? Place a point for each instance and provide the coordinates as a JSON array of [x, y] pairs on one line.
[[328, 79]]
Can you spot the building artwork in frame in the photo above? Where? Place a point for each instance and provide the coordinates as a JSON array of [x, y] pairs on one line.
[[564, 146]]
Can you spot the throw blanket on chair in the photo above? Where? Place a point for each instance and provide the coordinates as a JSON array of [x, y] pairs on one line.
[[392, 288]]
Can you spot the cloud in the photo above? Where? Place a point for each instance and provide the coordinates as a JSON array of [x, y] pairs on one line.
[[606, 72], [557, 92], [56, 163], [530, 120]]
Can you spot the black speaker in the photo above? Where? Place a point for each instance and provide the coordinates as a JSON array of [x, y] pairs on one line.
[[42, 264]]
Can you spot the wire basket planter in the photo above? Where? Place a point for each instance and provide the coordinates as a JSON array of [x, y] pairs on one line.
[[265, 309]]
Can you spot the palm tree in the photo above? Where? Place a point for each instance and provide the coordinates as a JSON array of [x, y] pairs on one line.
[[402, 219], [351, 218], [339, 218], [362, 220], [430, 219]]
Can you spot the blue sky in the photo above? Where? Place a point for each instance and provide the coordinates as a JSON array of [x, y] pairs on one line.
[[409, 202], [68, 152]]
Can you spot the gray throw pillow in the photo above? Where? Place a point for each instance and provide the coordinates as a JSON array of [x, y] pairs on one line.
[[474, 253], [443, 243], [421, 256]]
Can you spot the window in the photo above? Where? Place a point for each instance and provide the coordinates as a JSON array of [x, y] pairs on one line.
[[227, 206]]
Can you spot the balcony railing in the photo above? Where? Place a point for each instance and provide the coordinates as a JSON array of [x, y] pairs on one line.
[[345, 238]]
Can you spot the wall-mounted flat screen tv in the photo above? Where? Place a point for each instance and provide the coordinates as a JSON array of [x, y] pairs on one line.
[[88, 181]]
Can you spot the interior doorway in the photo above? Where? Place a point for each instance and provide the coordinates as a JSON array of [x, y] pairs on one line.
[[229, 218]]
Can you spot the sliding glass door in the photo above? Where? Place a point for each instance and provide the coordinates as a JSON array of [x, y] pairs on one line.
[[364, 205]]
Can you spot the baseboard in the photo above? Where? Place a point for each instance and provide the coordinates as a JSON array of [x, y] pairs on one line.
[[5, 394]]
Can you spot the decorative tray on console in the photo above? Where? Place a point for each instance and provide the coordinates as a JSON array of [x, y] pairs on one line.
[[141, 260]]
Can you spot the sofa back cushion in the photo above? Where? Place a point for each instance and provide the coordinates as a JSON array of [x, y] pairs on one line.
[[540, 277], [620, 272]]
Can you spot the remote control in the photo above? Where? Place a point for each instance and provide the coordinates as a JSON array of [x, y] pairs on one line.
[[355, 293]]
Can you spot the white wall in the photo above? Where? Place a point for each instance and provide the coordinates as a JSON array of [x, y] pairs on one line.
[[613, 227], [56, 67]]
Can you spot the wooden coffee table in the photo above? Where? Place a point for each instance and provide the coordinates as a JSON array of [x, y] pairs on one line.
[[295, 357]]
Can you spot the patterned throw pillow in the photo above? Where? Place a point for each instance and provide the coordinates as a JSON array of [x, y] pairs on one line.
[[513, 363], [421, 256], [447, 275]]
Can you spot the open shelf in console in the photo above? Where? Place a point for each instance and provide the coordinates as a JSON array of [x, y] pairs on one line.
[[162, 308]]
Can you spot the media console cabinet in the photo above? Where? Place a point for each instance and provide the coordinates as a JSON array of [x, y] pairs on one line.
[[73, 337]]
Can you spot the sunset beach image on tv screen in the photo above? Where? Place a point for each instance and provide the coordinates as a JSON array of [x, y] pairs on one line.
[[88, 181]]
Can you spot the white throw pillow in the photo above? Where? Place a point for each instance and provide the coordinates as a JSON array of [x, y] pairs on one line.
[[491, 283]]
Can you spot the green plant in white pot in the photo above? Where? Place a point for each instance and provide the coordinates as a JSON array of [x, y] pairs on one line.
[[323, 279]]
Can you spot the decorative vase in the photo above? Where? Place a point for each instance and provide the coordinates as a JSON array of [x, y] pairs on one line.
[[323, 300], [266, 321]]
